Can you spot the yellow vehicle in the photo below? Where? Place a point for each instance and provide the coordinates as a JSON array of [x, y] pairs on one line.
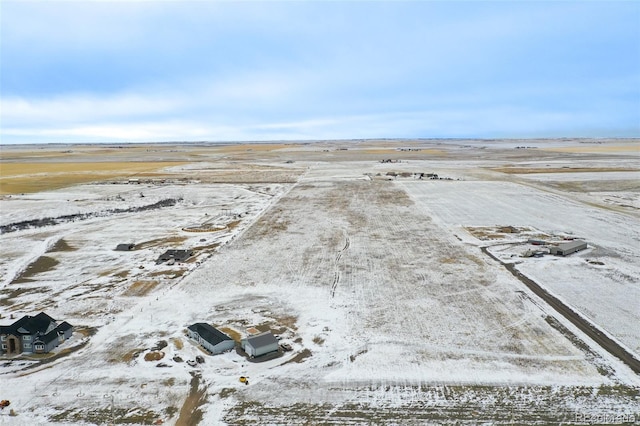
[[244, 380]]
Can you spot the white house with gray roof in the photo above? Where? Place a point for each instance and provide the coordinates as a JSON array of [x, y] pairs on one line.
[[210, 338]]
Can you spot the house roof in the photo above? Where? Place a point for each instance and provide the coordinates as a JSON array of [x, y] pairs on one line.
[[178, 255], [263, 339], [208, 333], [48, 338], [37, 325], [64, 326], [29, 325], [571, 244]]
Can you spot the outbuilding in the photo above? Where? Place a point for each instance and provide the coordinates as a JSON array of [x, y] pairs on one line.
[[210, 338], [175, 255], [260, 344], [569, 247]]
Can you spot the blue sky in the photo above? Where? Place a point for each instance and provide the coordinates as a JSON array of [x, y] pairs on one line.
[[123, 71]]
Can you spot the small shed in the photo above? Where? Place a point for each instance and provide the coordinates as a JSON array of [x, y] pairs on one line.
[[569, 247], [125, 247], [260, 344], [210, 338], [175, 255]]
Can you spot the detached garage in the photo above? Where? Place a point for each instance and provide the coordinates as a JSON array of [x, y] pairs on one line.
[[260, 344]]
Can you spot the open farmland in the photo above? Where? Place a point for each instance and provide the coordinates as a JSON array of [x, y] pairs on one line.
[[374, 277]]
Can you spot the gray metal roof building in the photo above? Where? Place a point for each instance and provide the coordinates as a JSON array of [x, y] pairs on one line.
[[260, 344], [569, 247]]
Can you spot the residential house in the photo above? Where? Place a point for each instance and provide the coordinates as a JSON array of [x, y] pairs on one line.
[[210, 338], [33, 334], [174, 255]]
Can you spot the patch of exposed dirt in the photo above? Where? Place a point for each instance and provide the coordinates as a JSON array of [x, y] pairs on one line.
[[140, 288], [154, 356], [40, 265], [61, 245], [190, 413], [231, 333], [531, 170]]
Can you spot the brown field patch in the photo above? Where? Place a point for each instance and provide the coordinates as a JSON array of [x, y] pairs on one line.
[[160, 241], [40, 265], [170, 273], [61, 245], [206, 247], [420, 151], [131, 355], [140, 288], [154, 356], [18, 178], [300, 357], [121, 274], [177, 343], [595, 148], [7, 295], [260, 147], [231, 333], [535, 170]]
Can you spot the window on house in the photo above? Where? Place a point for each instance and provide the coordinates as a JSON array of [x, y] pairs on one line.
[[26, 337], [4, 346], [39, 347], [27, 345], [3, 338]]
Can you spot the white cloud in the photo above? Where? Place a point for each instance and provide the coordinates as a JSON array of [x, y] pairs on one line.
[[62, 110]]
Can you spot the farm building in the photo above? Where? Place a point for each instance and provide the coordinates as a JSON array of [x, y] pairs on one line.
[[260, 344], [175, 255], [569, 247], [125, 247], [34, 334], [210, 338]]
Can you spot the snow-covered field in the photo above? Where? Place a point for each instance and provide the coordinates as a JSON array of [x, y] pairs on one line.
[[594, 290], [393, 312]]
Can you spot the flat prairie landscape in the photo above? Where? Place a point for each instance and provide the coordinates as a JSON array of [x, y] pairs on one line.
[[408, 281]]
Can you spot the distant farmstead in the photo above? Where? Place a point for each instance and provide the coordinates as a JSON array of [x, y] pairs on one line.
[[260, 344], [175, 255], [210, 338], [564, 249], [33, 334]]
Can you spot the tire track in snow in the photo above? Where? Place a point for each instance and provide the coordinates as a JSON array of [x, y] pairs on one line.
[[336, 275]]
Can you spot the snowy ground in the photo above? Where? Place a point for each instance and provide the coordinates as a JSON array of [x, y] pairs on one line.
[[393, 312]]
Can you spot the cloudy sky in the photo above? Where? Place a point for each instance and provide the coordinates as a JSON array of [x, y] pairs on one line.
[[97, 71]]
